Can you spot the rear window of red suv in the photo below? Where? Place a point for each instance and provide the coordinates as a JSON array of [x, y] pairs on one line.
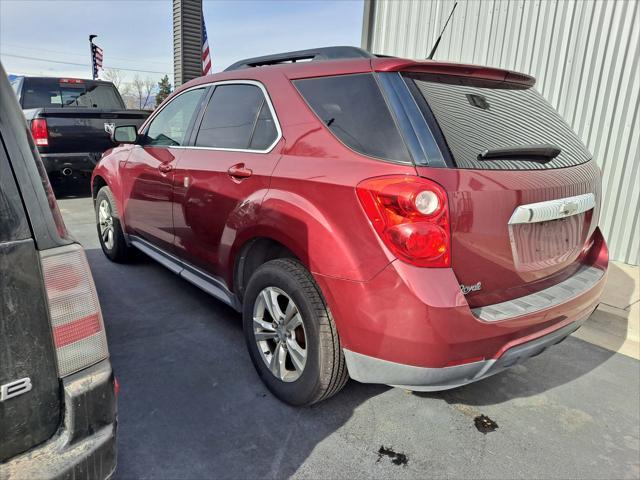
[[475, 116]]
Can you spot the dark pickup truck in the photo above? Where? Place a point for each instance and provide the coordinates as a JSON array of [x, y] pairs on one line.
[[71, 120]]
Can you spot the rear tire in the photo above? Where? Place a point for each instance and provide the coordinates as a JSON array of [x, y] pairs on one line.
[[110, 232], [313, 366]]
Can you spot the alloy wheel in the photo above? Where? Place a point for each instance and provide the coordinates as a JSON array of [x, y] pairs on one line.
[[279, 333], [105, 221]]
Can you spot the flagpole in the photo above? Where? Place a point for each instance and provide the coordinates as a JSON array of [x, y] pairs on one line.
[[93, 57]]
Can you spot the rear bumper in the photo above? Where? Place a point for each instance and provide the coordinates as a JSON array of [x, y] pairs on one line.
[[85, 444], [373, 370], [82, 162], [412, 327]]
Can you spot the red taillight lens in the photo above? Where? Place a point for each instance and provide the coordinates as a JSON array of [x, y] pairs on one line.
[[411, 215], [39, 132], [76, 319]]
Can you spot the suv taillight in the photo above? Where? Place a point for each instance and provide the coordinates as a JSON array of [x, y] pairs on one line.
[[40, 132], [76, 319], [411, 215]]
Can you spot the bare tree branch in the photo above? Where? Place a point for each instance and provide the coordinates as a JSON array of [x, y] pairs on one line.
[[114, 76], [138, 87], [149, 85]]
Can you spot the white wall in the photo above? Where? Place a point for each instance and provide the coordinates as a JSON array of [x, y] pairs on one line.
[[584, 55]]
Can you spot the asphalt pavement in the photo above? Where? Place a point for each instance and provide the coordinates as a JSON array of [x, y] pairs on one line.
[[191, 405]]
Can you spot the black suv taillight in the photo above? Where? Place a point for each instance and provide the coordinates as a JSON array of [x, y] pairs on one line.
[[76, 319]]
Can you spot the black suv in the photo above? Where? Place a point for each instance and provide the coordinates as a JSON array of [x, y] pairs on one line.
[[57, 389]]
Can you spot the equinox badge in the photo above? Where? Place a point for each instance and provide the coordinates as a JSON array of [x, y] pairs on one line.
[[471, 288]]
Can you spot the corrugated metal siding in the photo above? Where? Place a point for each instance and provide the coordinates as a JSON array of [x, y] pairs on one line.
[[584, 55], [187, 40]]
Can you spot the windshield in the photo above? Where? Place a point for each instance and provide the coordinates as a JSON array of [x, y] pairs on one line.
[[47, 92], [478, 116]]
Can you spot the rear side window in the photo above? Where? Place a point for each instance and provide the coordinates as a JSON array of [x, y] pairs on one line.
[[237, 117], [51, 93], [353, 108], [477, 116]]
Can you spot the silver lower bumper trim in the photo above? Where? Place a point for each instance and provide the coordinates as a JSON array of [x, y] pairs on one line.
[[584, 279], [366, 369]]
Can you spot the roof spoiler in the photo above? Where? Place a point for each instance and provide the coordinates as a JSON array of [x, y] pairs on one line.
[[455, 69], [313, 54]]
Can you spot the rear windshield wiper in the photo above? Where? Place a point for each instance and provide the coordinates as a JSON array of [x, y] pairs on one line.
[[541, 153]]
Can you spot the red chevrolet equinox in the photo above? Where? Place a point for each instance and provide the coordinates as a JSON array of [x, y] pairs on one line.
[[411, 223]]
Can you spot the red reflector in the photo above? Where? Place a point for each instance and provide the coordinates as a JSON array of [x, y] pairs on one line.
[[76, 330], [40, 132], [116, 386]]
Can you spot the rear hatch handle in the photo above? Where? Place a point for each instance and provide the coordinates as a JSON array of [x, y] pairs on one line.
[[540, 153]]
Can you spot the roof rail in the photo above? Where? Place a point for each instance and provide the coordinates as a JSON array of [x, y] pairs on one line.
[[313, 54]]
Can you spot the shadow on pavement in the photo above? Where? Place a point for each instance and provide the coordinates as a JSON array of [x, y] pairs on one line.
[[192, 406], [70, 187], [556, 366]]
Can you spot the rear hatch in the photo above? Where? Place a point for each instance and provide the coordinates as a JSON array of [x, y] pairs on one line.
[[30, 405], [79, 113], [523, 191]]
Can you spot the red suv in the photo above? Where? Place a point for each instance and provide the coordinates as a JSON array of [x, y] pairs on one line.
[[416, 224]]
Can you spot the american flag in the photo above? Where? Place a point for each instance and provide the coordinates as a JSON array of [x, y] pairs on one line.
[[96, 59], [206, 57]]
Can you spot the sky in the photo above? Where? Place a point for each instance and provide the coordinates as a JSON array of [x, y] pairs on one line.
[[137, 35]]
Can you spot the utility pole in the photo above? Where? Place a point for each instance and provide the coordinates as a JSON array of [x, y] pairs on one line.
[[187, 40]]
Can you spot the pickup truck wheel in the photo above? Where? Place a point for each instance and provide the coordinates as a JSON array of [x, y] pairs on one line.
[[290, 334], [110, 231]]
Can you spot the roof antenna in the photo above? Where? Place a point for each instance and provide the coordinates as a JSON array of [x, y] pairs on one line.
[[435, 47]]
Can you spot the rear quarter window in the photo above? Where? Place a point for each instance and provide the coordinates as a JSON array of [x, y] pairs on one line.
[[475, 116], [353, 108]]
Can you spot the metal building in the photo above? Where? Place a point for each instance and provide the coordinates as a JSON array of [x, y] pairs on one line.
[[187, 40], [584, 55]]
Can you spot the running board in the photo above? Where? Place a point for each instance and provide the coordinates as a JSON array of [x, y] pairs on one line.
[[207, 283]]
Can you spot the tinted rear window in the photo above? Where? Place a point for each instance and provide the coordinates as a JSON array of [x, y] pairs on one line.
[[353, 108], [50, 93], [237, 117], [475, 117]]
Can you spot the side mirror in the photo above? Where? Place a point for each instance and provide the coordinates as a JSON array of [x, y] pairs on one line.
[[124, 134]]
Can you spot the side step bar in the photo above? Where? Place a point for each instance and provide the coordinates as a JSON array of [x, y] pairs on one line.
[[212, 285]]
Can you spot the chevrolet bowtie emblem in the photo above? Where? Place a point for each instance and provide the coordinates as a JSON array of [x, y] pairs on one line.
[[568, 208]]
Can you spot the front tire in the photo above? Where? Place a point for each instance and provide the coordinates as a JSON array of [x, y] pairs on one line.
[[110, 232], [290, 334]]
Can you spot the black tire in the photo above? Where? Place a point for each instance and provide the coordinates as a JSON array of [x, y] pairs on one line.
[[119, 252], [325, 370]]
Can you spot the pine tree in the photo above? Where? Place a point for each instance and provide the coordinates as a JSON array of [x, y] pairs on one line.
[[164, 89]]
